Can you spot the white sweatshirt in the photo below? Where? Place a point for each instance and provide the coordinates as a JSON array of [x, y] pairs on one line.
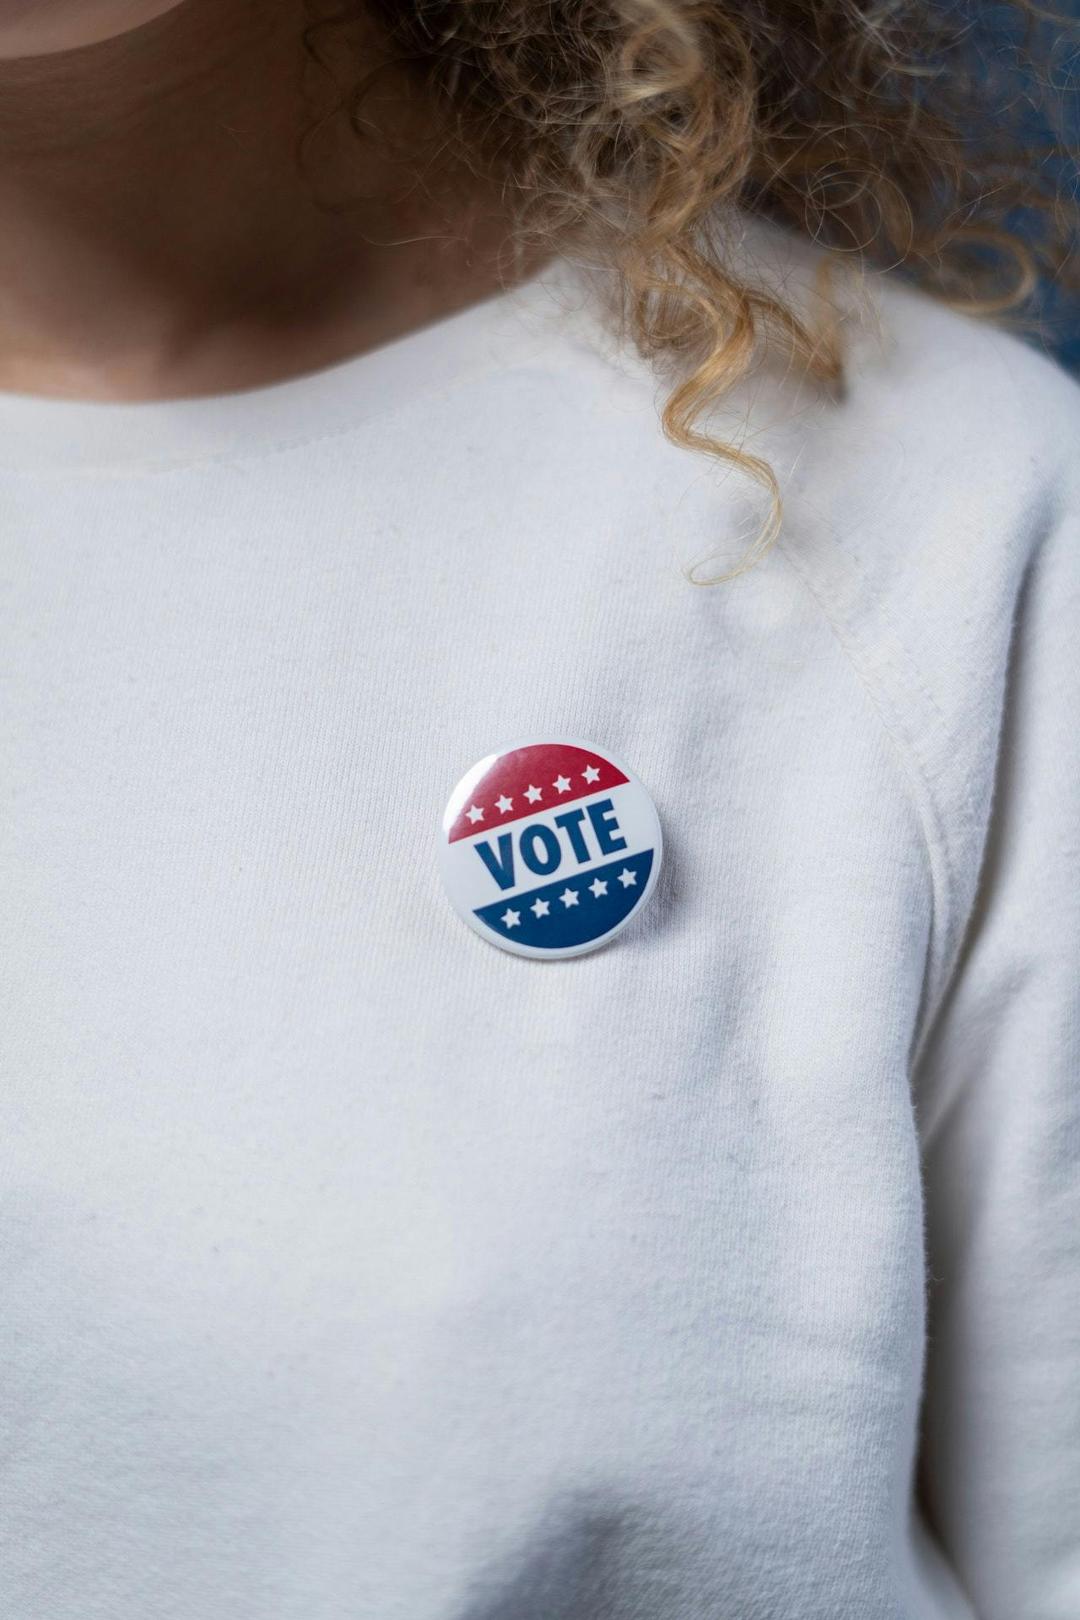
[[352, 1267]]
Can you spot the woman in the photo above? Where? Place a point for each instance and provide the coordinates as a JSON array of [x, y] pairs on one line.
[[354, 1265]]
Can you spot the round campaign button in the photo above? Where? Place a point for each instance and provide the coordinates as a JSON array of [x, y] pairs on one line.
[[549, 849]]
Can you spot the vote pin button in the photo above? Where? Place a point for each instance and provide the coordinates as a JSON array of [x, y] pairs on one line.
[[549, 849]]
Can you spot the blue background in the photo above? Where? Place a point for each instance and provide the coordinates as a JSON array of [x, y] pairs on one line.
[[998, 28]]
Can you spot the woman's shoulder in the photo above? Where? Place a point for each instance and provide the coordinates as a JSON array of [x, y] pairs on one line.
[[948, 460], [944, 471], [947, 472], [964, 400], [978, 386], [934, 514]]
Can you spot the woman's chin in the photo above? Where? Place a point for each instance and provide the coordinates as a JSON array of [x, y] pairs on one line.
[[48, 27]]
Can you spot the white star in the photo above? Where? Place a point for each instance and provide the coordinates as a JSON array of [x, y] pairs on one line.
[[534, 793], [503, 804], [539, 908], [569, 898], [510, 919], [597, 888], [591, 774], [475, 814], [562, 783], [627, 878]]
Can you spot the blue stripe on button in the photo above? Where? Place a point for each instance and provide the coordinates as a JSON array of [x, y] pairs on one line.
[[592, 916]]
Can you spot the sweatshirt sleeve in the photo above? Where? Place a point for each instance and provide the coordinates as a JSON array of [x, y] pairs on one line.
[[997, 1092]]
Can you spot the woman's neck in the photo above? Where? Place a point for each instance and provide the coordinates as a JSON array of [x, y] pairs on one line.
[[161, 236]]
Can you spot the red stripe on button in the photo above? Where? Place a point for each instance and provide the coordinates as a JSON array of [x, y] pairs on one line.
[[527, 781]]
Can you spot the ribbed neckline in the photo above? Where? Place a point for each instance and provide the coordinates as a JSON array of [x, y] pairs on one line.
[[39, 433]]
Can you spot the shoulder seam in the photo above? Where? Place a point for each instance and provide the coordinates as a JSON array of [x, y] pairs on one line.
[[916, 771]]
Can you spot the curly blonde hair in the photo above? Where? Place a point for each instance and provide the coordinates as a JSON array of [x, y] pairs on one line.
[[884, 129]]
